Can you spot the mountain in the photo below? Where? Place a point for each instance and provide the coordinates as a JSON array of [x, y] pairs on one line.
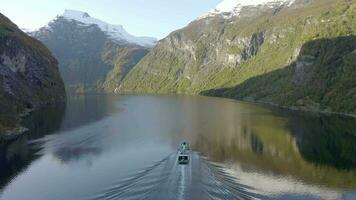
[[29, 76], [233, 8], [116, 32], [297, 54], [93, 55]]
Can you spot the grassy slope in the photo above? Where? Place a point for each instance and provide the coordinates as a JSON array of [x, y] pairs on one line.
[[169, 69], [329, 83], [122, 59]]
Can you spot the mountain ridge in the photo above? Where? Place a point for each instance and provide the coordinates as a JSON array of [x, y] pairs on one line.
[[87, 54], [116, 32], [216, 52]]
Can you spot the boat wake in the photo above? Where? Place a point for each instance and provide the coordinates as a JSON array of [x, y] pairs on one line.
[[166, 179]]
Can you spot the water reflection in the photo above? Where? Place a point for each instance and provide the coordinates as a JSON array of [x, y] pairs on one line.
[[99, 142], [85, 109], [16, 155], [326, 140], [317, 149]]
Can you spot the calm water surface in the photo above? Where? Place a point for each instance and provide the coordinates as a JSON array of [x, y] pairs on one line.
[[124, 147]]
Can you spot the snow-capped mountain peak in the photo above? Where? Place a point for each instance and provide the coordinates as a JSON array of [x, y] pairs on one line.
[[74, 14], [233, 7], [114, 31]]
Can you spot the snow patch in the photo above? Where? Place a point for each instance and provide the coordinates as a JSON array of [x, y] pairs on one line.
[[114, 31], [230, 8]]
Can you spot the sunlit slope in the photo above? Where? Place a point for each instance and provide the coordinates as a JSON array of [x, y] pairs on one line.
[[302, 55]]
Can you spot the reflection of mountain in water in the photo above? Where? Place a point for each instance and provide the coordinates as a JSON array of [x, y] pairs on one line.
[[84, 143], [256, 144], [75, 153], [15, 156], [81, 112], [85, 109], [316, 149], [326, 140], [309, 149]]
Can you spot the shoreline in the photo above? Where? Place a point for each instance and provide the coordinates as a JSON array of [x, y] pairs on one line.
[[301, 109], [12, 133], [291, 108], [15, 132]]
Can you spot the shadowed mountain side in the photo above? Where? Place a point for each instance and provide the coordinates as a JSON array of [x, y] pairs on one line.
[[29, 77], [90, 61], [323, 77], [325, 140]]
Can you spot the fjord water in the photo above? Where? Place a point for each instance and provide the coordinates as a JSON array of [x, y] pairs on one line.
[[124, 147]]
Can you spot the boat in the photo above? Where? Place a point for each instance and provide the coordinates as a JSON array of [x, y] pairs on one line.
[[183, 159], [184, 147], [183, 153]]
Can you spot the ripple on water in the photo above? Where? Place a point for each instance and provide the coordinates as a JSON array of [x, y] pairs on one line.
[[166, 179]]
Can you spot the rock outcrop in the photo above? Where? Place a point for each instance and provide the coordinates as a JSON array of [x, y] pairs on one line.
[[29, 76]]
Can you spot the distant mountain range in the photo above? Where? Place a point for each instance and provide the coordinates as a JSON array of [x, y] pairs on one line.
[[93, 56]]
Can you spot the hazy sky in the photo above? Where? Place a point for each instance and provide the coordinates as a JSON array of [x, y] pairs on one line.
[[154, 18]]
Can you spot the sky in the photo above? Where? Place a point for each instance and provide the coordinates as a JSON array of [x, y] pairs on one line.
[[155, 18]]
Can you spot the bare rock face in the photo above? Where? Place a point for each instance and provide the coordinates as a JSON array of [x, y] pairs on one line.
[[29, 76], [301, 68], [257, 39], [273, 53]]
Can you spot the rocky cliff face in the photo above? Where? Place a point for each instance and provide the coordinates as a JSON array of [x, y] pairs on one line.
[[223, 51], [90, 58], [29, 75]]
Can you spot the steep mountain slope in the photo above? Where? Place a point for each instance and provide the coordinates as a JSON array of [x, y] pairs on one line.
[[90, 51], [29, 76], [240, 51], [116, 32]]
